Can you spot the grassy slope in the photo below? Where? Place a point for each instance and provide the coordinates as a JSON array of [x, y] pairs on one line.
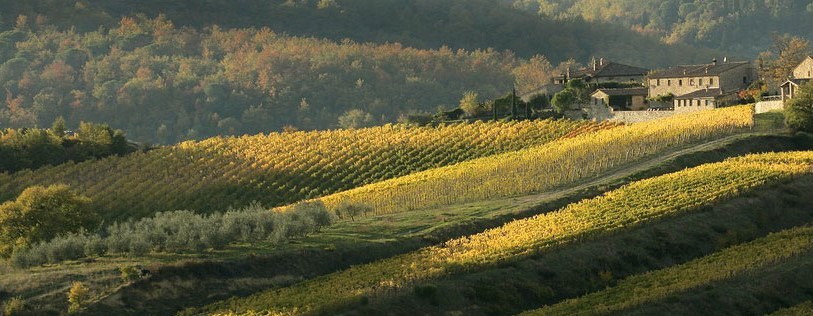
[[520, 240], [178, 285], [591, 266]]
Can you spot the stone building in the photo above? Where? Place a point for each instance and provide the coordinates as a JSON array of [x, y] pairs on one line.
[[695, 85], [602, 71], [802, 74], [627, 99]]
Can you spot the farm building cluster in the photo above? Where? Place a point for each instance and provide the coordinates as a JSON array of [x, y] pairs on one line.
[[618, 88]]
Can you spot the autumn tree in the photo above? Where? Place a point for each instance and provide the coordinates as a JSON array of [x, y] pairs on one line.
[[777, 63]]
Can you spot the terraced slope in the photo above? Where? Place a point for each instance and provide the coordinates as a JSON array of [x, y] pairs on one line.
[[764, 253], [630, 206], [546, 166], [281, 168]]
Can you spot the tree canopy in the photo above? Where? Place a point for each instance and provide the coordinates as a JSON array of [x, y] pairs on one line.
[[42, 213]]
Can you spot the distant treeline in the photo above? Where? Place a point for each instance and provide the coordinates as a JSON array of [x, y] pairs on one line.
[[31, 148], [744, 27], [171, 77]]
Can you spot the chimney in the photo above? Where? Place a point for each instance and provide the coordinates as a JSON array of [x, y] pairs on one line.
[[714, 61], [594, 64], [601, 61], [707, 69], [725, 60], [567, 75]]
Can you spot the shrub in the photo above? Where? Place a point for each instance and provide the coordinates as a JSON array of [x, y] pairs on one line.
[[180, 232], [799, 110], [130, 274], [78, 297], [14, 306]]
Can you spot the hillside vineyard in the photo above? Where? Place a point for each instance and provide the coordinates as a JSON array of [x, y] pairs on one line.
[[545, 166], [630, 206], [280, 168]]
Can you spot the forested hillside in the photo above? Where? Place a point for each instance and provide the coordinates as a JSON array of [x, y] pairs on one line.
[[744, 27], [184, 70]]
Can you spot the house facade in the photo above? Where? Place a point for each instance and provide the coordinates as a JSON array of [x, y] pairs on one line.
[[695, 85], [627, 99], [804, 70], [802, 74]]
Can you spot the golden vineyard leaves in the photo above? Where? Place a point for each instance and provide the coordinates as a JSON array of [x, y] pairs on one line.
[[629, 206], [545, 166], [281, 168]]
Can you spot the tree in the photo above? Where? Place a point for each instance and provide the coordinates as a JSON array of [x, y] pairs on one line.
[[470, 103], [799, 110], [40, 214], [58, 127], [78, 296], [564, 100], [777, 63], [355, 118]]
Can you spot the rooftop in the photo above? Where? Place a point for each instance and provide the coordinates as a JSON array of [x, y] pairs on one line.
[[697, 70], [701, 94], [608, 69], [624, 91]]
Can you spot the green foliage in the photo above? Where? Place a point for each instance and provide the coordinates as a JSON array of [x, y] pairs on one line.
[[356, 118], [179, 232], [470, 103], [576, 92], [130, 274], [564, 100], [352, 210], [743, 27], [78, 297], [41, 214], [27, 148], [799, 110], [14, 306]]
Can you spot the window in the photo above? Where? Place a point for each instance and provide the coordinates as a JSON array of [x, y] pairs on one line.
[[658, 82], [669, 83], [744, 80], [680, 82], [700, 82], [711, 81], [707, 102], [691, 82]]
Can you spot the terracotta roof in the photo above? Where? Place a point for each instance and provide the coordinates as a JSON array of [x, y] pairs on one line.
[[624, 91], [696, 70], [701, 94]]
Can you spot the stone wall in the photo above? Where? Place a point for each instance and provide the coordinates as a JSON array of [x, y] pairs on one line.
[[630, 117], [767, 106]]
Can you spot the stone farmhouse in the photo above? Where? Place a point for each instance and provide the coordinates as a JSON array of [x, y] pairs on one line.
[[621, 99], [802, 74], [702, 86], [603, 72]]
